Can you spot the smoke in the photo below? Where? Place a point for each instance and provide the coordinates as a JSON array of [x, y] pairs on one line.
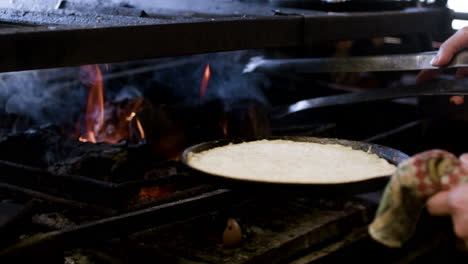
[[53, 96], [59, 96], [34, 94], [227, 82]]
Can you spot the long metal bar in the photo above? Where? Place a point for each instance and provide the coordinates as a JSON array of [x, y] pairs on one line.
[[65, 40], [59, 200], [400, 62], [11, 229], [460, 15], [118, 225], [393, 131]]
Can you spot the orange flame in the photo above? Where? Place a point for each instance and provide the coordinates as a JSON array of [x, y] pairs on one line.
[[205, 80], [107, 124], [140, 129], [94, 120]]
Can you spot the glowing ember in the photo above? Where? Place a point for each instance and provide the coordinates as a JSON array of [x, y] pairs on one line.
[[131, 116], [82, 139], [148, 193], [205, 80], [224, 127]]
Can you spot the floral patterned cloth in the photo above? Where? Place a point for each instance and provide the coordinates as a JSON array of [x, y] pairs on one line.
[[415, 180]]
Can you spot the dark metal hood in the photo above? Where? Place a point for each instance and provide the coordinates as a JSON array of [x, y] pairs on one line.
[[55, 33]]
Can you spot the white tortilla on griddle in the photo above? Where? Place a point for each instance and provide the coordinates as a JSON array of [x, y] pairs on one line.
[[284, 161]]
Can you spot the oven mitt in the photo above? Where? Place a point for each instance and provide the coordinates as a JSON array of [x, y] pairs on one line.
[[414, 181]]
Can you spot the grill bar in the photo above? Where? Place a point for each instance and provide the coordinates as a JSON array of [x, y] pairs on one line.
[[125, 224], [35, 39]]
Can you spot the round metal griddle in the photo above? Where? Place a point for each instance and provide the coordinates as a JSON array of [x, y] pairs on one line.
[[391, 155]]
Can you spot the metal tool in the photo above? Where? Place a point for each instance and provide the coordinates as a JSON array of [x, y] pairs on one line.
[[436, 87], [416, 61]]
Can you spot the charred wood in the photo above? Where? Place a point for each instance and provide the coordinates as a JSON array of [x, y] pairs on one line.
[[61, 155]]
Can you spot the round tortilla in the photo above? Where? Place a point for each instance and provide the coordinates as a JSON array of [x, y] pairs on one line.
[[284, 161]]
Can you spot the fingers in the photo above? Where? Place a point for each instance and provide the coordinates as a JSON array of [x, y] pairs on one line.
[[438, 204], [448, 202], [454, 203], [451, 46], [458, 204], [446, 52], [464, 160], [457, 99]]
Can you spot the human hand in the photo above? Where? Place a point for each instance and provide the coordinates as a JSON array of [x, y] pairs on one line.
[[453, 203], [447, 50]]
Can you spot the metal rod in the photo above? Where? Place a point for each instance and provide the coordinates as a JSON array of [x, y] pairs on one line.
[[460, 15], [117, 225], [436, 87], [397, 62], [11, 229], [393, 131], [58, 200]]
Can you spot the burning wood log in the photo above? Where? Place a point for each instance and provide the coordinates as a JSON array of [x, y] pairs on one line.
[[46, 148], [98, 152], [103, 161]]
